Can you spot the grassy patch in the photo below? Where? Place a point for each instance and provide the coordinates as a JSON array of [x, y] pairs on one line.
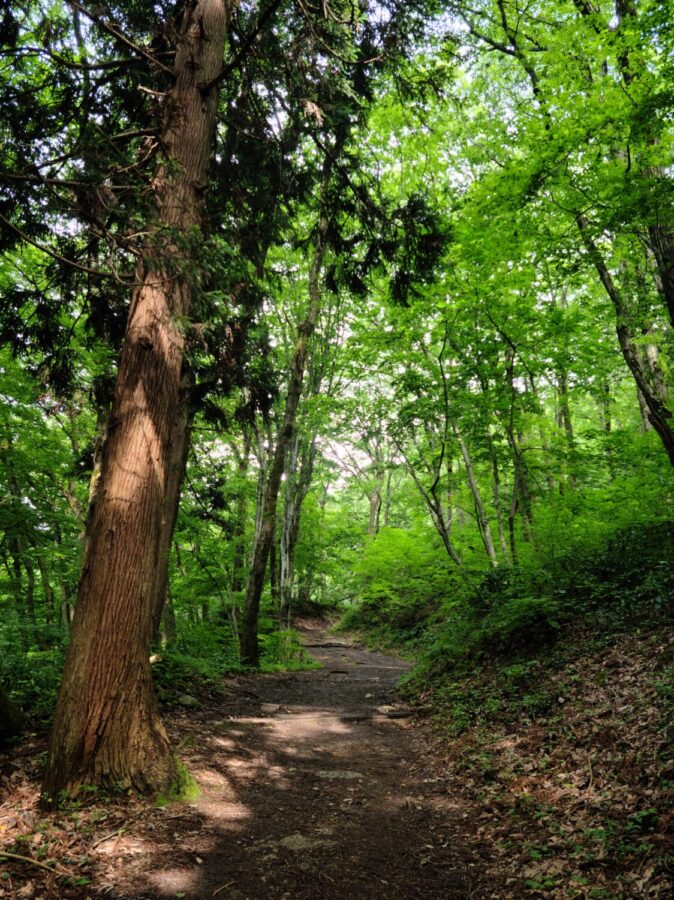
[[184, 788]]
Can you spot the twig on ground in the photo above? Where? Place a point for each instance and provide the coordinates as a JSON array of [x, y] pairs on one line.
[[106, 837], [33, 862], [589, 762]]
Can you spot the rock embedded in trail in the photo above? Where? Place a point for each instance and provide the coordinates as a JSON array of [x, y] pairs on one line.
[[300, 843], [339, 775], [188, 701]]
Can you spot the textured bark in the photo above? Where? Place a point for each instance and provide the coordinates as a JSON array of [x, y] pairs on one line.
[[106, 728]]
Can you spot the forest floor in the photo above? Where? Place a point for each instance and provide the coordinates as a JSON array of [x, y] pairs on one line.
[[313, 784], [319, 784]]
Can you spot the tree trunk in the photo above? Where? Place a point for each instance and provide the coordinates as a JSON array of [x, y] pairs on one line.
[[274, 573], [47, 590], [440, 516], [239, 535], [167, 626], [604, 404], [250, 654], [374, 498], [480, 512], [300, 473], [662, 245], [11, 719], [512, 513], [659, 415], [496, 491], [387, 499], [106, 728], [565, 422]]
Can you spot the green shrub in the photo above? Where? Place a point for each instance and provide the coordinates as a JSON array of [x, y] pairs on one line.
[[520, 623], [33, 680], [282, 651], [405, 581], [196, 663]]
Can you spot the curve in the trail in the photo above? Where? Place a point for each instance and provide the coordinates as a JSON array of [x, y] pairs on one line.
[[313, 785]]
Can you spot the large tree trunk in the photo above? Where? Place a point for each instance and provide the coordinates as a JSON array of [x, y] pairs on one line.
[[106, 729]]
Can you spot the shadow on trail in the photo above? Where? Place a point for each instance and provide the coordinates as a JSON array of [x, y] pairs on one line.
[[309, 790]]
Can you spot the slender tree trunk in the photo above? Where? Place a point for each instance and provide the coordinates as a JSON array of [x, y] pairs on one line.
[[274, 573], [19, 541], [480, 512], [659, 415], [13, 568], [441, 517], [30, 598], [512, 513], [239, 536], [47, 590], [289, 529], [374, 497], [496, 490], [565, 421], [106, 727], [297, 487], [387, 499], [167, 628], [250, 653], [11, 719]]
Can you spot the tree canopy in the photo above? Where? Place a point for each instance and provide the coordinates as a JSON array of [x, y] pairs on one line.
[[356, 306]]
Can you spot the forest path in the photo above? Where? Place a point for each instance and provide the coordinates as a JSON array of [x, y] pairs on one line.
[[313, 785]]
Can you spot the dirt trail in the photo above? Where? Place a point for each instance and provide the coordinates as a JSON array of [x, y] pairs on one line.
[[313, 786]]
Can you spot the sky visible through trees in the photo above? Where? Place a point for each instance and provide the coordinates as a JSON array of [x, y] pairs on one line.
[[348, 306]]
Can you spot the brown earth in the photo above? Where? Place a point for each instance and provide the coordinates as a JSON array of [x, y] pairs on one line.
[[313, 785]]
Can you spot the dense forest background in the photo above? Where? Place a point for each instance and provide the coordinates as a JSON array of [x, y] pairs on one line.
[[425, 376]]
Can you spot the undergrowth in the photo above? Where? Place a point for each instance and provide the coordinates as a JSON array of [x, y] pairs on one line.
[[549, 689], [517, 614]]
